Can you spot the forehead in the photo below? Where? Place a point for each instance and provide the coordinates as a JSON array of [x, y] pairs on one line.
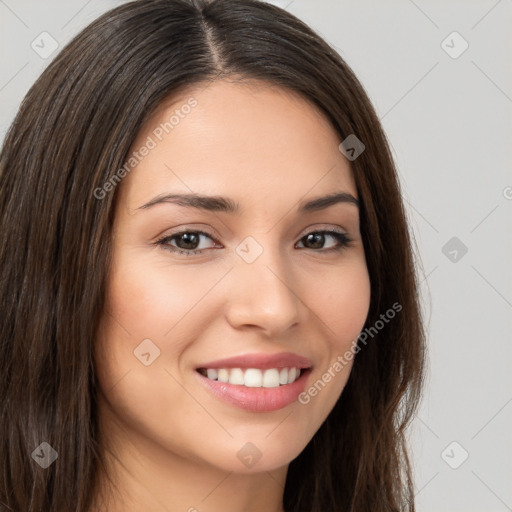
[[249, 140]]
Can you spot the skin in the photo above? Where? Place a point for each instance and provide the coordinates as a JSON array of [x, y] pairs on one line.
[[170, 444]]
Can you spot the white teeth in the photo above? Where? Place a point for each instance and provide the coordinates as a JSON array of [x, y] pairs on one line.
[[212, 373], [236, 376], [271, 378], [254, 377], [223, 375], [292, 373]]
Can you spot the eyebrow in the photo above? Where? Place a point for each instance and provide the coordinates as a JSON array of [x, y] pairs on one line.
[[227, 205]]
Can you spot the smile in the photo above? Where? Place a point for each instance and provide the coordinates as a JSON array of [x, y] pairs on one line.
[[253, 377], [256, 382]]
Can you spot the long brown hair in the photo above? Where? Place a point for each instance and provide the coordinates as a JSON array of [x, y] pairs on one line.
[[71, 135]]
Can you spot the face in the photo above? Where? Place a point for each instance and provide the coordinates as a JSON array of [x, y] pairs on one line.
[[221, 315]]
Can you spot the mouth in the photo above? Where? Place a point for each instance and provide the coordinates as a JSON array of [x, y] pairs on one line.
[[257, 382]]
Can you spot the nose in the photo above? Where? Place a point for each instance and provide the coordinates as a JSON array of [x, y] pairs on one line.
[[262, 294]]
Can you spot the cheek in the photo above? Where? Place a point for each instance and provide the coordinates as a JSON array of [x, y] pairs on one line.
[[343, 303], [150, 299], [146, 300]]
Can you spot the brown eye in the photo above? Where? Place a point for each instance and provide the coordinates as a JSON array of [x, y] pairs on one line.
[[317, 239], [186, 242]]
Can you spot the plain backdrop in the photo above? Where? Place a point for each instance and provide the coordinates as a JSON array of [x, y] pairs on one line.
[[439, 75]]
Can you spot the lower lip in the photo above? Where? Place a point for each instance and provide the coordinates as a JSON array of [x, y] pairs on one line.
[[257, 399]]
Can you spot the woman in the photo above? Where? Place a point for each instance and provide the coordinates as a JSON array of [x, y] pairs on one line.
[[208, 288]]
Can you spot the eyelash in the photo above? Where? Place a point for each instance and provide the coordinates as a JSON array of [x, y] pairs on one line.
[[343, 239]]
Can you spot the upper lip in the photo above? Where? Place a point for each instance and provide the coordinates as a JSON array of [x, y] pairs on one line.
[[261, 361]]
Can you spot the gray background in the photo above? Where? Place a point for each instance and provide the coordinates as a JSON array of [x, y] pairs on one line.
[[448, 119]]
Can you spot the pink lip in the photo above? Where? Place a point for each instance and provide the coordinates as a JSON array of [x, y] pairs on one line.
[[256, 399], [261, 361]]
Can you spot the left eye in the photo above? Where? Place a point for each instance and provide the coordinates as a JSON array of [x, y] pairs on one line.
[[188, 241], [318, 237]]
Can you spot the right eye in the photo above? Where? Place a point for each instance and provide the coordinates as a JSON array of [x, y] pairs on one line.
[[187, 239]]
